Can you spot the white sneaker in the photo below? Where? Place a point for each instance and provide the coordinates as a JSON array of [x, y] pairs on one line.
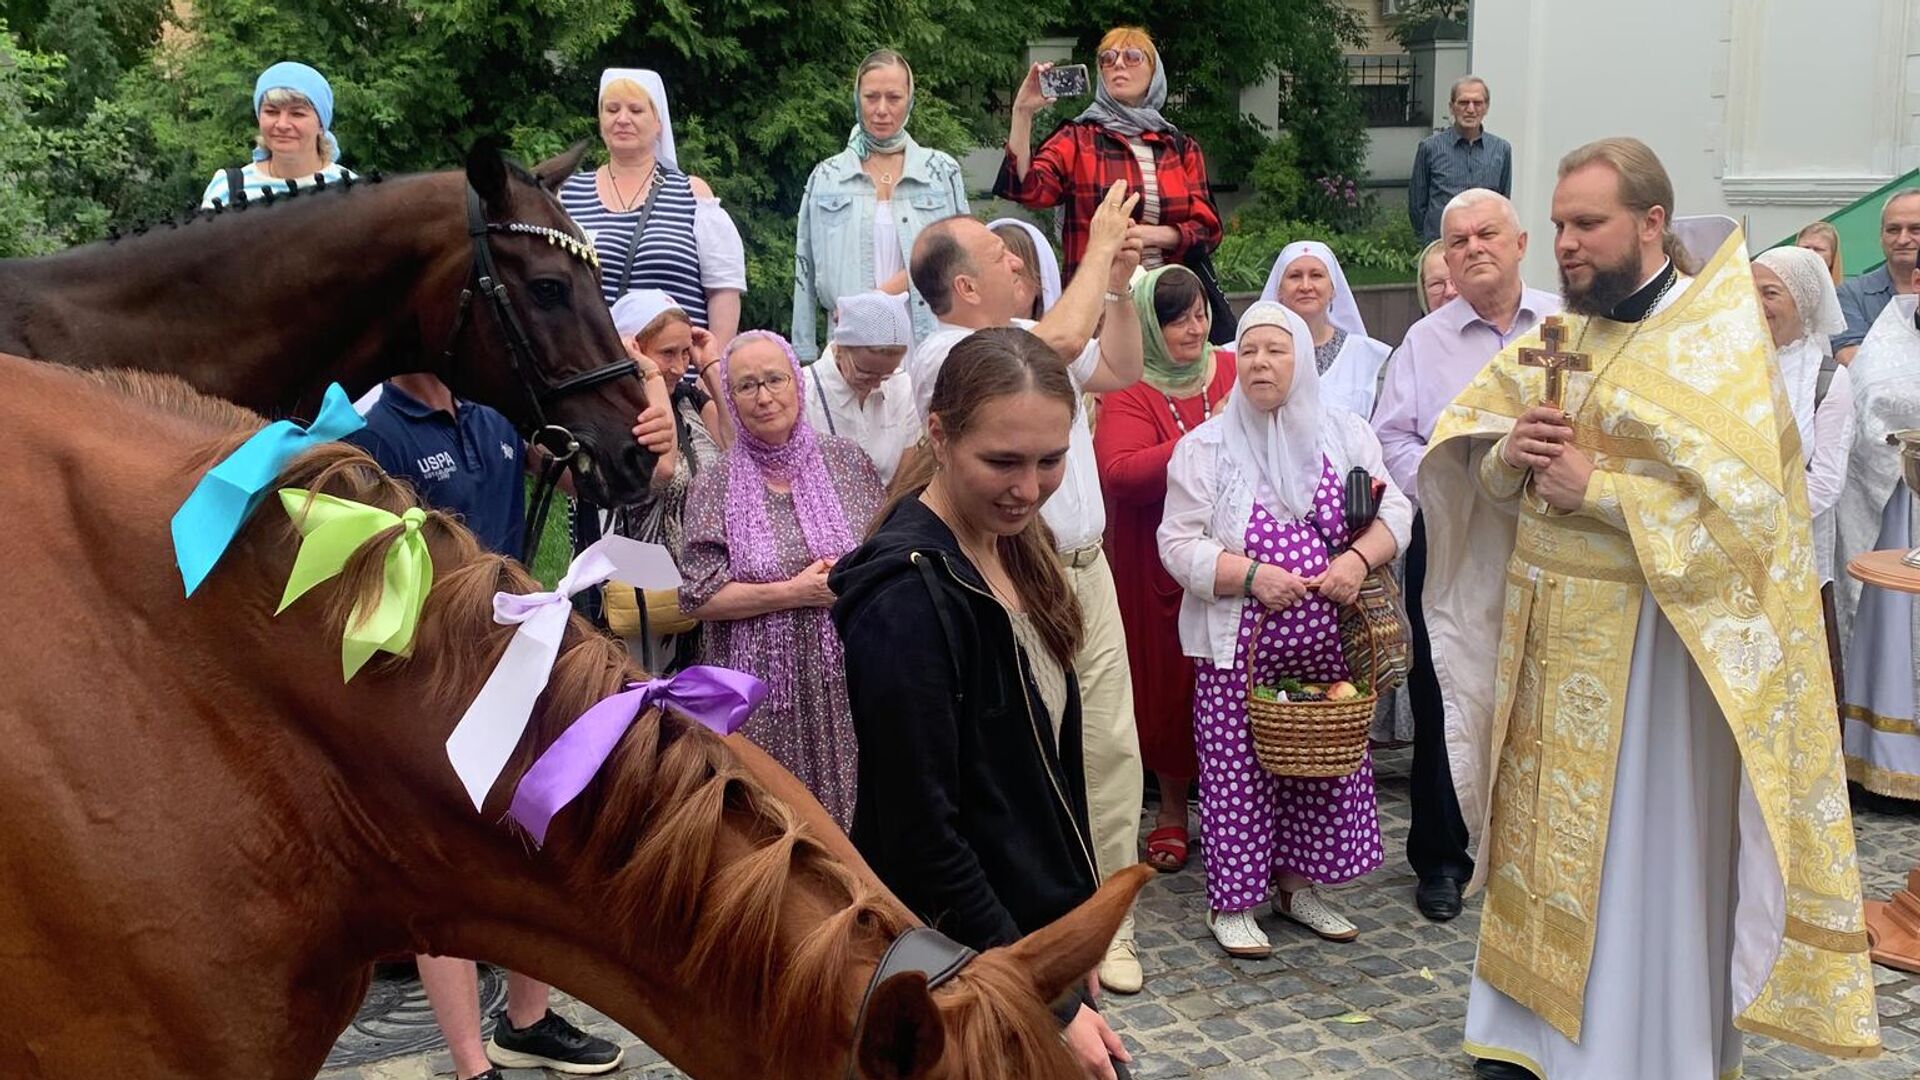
[[1120, 971], [1310, 910], [1239, 934]]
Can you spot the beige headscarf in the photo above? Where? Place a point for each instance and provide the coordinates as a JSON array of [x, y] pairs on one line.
[[1282, 449]]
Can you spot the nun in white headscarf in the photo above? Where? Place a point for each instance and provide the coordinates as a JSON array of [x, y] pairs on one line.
[[1803, 312], [1041, 268], [1255, 533], [1307, 279]]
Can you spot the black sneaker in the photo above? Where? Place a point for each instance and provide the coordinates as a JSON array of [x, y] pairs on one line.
[[550, 1043]]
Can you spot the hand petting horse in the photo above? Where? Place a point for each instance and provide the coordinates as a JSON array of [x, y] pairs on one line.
[[208, 834], [477, 277]]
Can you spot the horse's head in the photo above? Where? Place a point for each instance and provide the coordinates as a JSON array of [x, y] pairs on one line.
[[543, 344], [988, 1022]]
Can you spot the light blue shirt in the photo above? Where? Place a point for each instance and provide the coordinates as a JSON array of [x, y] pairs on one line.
[[833, 242]]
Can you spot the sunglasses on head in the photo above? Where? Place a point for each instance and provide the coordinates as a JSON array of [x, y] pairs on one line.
[[1129, 57]]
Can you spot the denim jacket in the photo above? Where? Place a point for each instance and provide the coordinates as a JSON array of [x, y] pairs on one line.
[[833, 245]]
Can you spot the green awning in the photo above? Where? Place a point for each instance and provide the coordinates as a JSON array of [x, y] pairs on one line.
[[1859, 226]]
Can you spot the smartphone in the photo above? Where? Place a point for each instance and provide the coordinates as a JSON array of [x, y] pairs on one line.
[[1067, 80]]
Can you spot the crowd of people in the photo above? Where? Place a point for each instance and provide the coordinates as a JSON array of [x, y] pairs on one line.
[[1005, 532]]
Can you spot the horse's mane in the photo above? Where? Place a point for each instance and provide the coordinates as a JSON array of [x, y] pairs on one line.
[[175, 397], [645, 833]]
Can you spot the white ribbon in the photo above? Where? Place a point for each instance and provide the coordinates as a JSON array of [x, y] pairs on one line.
[[485, 737]]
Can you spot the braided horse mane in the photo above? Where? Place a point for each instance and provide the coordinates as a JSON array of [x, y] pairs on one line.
[[644, 835]]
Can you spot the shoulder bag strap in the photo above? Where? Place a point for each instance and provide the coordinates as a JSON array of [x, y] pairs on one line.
[[639, 229], [820, 392], [1828, 365]]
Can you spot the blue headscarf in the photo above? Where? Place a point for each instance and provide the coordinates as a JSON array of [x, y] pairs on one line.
[[862, 143], [303, 80]]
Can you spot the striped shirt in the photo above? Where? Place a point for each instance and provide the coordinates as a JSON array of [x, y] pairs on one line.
[[1149, 198], [669, 255], [256, 180]]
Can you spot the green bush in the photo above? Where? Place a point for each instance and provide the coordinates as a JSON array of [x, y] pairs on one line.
[[1384, 251]]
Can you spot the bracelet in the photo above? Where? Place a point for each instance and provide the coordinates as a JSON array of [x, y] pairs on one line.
[[1114, 297], [1363, 559], [702, 372], [1246, 587]]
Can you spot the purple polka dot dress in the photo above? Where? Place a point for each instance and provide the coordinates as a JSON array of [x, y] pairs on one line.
[[1256, 825]]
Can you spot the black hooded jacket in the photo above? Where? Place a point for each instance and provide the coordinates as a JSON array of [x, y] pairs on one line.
[[966, 807]]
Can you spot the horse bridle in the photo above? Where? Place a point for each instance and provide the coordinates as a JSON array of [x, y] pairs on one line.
[[921, 949], [561, 445]]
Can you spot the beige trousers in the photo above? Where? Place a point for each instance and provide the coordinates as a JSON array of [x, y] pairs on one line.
[[1111, 745]]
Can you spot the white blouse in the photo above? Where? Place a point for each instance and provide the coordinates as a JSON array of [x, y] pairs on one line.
[[723, 256], [1210, 501]]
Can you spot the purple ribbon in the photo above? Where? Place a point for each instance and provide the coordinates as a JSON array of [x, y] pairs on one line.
[[718, 698]]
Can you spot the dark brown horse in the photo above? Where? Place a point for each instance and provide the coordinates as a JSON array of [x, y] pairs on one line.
[[207, 836], [266, 305]]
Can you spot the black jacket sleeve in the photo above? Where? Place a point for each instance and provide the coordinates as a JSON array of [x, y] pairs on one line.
[[900, 684]]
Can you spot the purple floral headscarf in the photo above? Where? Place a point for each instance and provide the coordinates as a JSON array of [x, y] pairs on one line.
[[751, 545]]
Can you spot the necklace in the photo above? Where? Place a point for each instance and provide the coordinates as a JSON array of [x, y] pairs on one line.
[[620, 196], [885, 174], [1206, 410]]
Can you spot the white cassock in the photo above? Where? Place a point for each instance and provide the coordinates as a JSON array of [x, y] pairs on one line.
[[1877, 511]]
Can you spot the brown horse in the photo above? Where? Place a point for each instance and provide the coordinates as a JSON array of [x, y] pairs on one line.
[[208, 836], [466, 276]]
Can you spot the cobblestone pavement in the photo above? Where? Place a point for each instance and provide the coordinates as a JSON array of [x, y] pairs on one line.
[[1389, 1006]]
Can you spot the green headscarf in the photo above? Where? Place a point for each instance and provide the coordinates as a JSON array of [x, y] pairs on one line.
[[1162, 372]]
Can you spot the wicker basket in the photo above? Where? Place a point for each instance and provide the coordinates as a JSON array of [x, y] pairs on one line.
[[1314, 738]]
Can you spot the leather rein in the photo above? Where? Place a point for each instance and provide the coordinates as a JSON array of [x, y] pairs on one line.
[[920, 949]]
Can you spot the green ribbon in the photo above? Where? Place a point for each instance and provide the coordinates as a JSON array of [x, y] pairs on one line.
[[332, 530]]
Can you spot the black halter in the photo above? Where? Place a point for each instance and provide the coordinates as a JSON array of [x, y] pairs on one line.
[[922, 949], [561, 444]]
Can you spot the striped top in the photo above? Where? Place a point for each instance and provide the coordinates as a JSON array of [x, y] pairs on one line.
[[256, 180], [669, 256], [1149, 198]]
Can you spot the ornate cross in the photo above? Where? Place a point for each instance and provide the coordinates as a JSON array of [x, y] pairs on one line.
[[1553, 334]]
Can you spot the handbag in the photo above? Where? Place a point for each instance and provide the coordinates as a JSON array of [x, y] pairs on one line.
[[1200, 260], [639, 613], [1377, 618]]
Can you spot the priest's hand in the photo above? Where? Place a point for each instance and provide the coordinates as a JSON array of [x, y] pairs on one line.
[[1277, 589], [1537, 438], [1563, 483]]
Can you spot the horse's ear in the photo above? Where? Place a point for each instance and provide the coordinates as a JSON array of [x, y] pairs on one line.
[[554, 171], [903, 1037], [487, 172], [1058, 956]]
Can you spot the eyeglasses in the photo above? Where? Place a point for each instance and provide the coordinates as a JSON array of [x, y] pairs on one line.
[[1122, 57], [750, 389]]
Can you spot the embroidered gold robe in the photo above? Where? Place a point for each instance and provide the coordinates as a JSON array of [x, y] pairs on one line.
[[1698, 496]]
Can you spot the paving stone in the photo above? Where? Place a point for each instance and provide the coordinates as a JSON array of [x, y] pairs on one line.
[[1206, 1016]]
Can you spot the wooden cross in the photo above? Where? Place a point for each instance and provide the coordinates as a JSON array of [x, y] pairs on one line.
[[1553, 334]]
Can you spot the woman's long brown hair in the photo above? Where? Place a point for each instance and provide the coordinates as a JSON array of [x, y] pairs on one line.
[[984, 367]]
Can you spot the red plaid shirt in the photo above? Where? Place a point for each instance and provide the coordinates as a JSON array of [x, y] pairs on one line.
[[1079, 161]]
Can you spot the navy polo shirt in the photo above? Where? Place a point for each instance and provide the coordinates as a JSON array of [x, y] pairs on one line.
[[468, 463]]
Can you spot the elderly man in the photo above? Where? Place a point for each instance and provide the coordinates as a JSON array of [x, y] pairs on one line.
[[1461, 156], [1440, 356], [1863, 298]]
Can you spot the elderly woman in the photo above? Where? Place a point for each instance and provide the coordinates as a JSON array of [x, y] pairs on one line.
[[1435, 279], [654, 226], [293, 104], [865, 206], [1307, 280], [1256, 533], [1039, 267], [1121, 136], [1803, 310], [1182, 386], [1823, 240], [764, 526], [857, 389]]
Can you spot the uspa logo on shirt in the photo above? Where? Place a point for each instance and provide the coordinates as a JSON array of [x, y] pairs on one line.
[[436, 467]]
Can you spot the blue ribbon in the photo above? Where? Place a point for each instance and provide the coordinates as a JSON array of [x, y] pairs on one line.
[[222, 501]]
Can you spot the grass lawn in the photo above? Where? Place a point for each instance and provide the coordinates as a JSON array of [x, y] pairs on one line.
[[554, 551]]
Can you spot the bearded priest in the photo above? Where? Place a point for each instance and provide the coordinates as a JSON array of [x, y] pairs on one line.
[[1649, 758]]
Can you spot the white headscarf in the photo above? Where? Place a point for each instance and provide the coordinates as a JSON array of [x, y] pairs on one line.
[[1283, 449], [657, 90], [633, 312], [1049, 264], [1810, 284], [1342, 312], [872, 319]]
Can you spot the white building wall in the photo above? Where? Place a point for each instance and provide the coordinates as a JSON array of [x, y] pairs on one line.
[[1775, 112]]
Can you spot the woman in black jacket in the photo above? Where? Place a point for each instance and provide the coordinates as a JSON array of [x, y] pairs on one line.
[[960, 632]]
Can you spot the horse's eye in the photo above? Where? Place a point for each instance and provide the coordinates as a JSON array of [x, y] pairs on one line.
[[549, 292]]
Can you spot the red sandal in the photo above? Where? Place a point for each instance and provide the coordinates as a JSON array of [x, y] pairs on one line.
[[1167, 848]]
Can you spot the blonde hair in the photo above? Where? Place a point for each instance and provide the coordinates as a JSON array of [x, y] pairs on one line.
[[1644, 184], [1835, 264], [883, 58], [1437, 247], [627, 88], [1122, 37], [281, 97]]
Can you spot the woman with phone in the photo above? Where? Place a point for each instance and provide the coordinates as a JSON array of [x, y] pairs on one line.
[[1121, 136], [865, 206]]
